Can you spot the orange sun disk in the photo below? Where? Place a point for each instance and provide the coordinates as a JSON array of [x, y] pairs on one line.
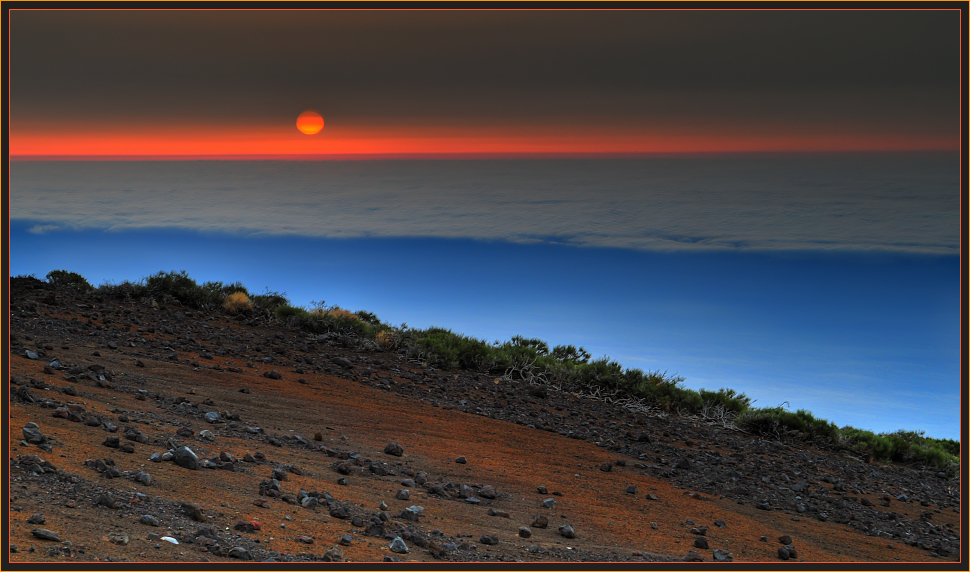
[[309, 122]]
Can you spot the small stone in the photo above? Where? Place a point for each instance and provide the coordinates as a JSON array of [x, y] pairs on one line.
[[650, 496], [693, 556], [185, 457], [785, 539], [461, 460], [654, 525], [549, 503], [488, 492], [524, 532], [149, 520], [33, 435], [542, 490], [701, 542], [118, 538], [169, 539], [398, 546], [334, 554], [632, 489], [193, 511], [394, 449], [540, 521], [403, 494], [567, 531], [722, 556], [606, 467], [36, 518], [44, 534], [783, 553], [501, 513], [488, 539], [237, 552], [345, 540]]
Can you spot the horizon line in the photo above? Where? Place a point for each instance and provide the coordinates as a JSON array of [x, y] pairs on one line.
[[454, 156]]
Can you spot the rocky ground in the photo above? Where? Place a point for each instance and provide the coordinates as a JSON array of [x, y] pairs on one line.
[[154, 433]]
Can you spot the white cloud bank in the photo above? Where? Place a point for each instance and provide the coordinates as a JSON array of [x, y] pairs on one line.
[[854, 202]]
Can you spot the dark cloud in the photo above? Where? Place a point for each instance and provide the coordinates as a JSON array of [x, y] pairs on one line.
[[191, 64]]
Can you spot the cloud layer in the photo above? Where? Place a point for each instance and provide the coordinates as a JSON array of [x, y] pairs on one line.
[[888, 202]]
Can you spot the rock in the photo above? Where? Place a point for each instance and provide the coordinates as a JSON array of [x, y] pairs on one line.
[[207, 435], [683, 464], [394, 449], [501, 513], [783, 553], [240, 553], [693, 556], [488, 539], [149, 520], [345, 540], [461, 460], [398, 546], [185, 457], [785, 539], [193, 511], [542, 490], [36, 518], [212, 417], [30, 354], [33, 435], [272, 374], [169, 539], [699, 530], [244, 526], [549, 503], [44, 534], [488, 492], [632, 489], [651, 496], [106, 500], [335, 554], [143, 478], [540, 521], [567, 531], [722, 556], [342, 362], [118, 538], [701, 542], [403, 494]]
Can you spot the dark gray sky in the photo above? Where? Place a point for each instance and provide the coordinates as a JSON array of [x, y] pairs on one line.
[[634, 68]]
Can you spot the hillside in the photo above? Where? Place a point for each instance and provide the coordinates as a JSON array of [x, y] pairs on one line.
[[291, 437]]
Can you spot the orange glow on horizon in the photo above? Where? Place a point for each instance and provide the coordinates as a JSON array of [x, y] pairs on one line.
[[346, 142]]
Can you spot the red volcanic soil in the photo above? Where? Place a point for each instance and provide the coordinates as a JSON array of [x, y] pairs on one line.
[[323, 425]]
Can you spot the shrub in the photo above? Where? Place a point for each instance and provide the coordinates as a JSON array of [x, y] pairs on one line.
[[71, 280], [237, 302]]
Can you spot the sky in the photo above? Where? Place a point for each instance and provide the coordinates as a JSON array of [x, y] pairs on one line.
[[762, 200]]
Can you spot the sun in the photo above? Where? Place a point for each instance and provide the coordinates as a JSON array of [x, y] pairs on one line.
[[309, 122]]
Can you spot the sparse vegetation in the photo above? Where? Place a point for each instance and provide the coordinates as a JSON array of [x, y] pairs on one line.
[[71, 280], [237, 302], [565, 366]]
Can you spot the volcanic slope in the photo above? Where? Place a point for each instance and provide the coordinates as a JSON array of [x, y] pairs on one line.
[[168, 435]]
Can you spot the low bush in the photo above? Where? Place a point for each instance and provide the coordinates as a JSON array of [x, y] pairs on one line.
[[237, 302], [71, 280]]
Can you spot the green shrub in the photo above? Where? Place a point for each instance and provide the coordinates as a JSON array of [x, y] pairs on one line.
[[72, 280]]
